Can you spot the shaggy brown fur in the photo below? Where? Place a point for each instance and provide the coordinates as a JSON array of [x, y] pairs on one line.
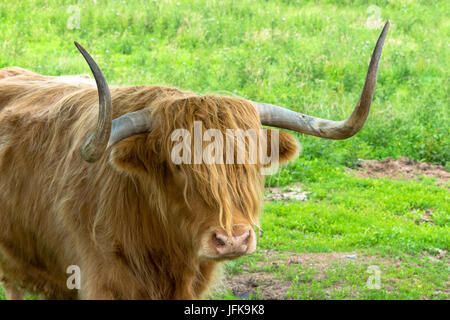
[[121, 219]]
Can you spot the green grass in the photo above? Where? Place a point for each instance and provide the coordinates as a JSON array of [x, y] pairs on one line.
[[310, 56]]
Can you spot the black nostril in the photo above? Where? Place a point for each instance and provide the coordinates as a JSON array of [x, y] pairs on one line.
[[218, 242]]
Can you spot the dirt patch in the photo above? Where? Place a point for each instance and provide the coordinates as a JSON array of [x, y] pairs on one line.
[[294, 193], [427, 217], [437, 255], [255, 282], [402, 168], [262, 285]]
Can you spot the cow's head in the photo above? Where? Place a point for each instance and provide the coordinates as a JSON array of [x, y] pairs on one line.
[[215, 205]]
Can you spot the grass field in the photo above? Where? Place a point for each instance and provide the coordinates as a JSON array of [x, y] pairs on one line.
[[310, 56]]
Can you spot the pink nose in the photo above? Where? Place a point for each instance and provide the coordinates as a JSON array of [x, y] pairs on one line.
[[236, 245]]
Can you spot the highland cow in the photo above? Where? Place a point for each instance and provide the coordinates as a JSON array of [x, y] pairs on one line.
[[92, 184]]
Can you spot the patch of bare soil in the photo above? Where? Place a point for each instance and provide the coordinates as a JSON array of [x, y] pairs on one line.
[[438, 255], [294, 193], [427, 217], [402, 168], [266, 285], [260, 284]]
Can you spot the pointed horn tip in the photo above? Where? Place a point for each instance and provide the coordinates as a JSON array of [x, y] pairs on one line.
[[385, 30], [386, 26], [84, 53], [79, 46]]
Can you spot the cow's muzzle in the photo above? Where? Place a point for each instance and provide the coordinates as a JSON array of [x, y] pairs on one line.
[[217, 244]]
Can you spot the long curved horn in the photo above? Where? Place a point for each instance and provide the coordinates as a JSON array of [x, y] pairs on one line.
[[108, 131], [276, 116], [95, 145]]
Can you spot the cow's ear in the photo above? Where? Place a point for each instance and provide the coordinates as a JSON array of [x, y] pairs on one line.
[[288, 146], [131, 155]]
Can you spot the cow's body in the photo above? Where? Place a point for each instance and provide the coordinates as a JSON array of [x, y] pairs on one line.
[[57, 210]]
